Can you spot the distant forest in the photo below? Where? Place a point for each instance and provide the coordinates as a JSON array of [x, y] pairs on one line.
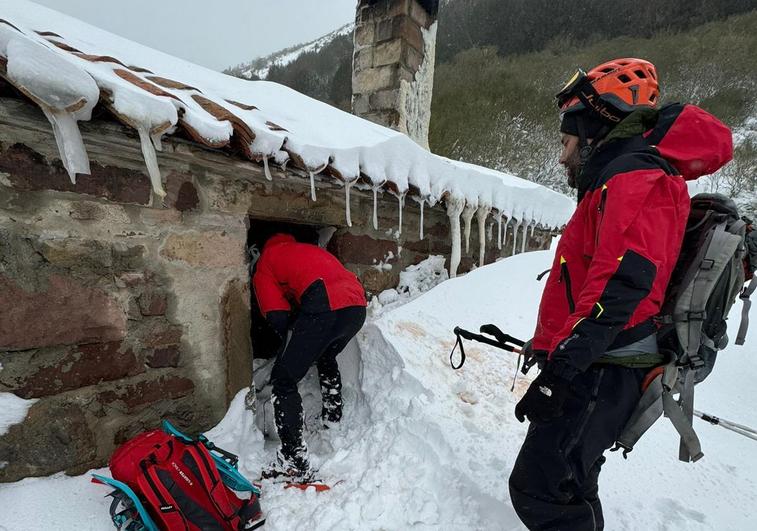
[[521, 26], [499, 63], [512, 27]]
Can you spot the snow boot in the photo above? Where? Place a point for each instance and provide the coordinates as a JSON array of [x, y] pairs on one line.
[[294, 467]]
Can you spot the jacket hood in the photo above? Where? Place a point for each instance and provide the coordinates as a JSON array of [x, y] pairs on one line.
[[279, 238], [691, 139]]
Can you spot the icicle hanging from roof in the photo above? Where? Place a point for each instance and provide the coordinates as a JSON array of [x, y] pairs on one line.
[[347, 186], [421, 202], [454, 209], [151, 161], [267, 169], [481, 214], [499, 230], [468, 212], [515, 235], [401, 201], [375, 210], [312, 174], [525, 238], [312, 186], [65, 97]]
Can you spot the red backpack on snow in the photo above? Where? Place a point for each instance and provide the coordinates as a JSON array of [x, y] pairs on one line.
[[178, 483]]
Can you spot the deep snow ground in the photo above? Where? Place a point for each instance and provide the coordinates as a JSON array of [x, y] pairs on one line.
[[426, 447]]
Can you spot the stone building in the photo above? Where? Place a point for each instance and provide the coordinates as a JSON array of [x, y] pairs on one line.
[[131, 187]]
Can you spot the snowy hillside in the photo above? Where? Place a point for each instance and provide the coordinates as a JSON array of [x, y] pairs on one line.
[[427, 447], [258, 68]]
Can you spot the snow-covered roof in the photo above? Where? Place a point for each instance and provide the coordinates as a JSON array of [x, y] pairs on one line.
[[67, 66]]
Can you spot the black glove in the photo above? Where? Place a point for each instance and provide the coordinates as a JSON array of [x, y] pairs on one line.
[[532, 357], [545, 397]]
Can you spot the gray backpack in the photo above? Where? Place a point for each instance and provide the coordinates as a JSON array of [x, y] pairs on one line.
[[706, 281]]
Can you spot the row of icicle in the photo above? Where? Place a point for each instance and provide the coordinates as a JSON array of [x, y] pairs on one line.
[[456, 207]]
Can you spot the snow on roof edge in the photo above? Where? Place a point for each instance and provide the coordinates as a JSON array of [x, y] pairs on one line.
[[155, 93]]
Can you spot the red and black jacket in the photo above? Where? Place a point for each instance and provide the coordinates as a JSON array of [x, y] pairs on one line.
[[291, 273], [617, 252]]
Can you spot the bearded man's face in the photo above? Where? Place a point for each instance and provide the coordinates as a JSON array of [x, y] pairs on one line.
[[570, 158]]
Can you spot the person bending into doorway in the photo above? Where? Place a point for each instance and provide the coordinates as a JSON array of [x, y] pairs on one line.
[[304, 288]]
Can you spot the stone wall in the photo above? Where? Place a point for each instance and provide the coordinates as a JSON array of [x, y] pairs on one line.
[[120, 309]]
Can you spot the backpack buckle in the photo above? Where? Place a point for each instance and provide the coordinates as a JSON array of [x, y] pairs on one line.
[[707, 264], [696, 362], [696, 316]]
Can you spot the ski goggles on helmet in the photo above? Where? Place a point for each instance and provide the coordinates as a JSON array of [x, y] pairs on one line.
[[571, 88], [579, 87]]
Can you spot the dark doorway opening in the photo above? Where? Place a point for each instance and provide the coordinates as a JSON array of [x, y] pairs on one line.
[[260, 230]]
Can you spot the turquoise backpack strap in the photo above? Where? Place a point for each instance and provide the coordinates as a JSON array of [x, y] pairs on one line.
[[147, 522]]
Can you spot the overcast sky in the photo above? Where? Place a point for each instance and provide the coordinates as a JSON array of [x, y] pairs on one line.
[[213, 33]]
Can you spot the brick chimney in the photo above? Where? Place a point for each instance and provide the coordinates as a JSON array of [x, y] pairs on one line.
[[393, 64]]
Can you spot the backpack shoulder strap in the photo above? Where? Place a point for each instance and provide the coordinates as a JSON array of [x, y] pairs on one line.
[[747, 305], [690, 314]]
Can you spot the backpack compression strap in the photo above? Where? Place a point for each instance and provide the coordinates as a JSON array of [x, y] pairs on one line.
[[657, 399], [741, 336]]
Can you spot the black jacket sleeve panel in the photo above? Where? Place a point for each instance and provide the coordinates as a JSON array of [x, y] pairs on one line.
[[626, 288]]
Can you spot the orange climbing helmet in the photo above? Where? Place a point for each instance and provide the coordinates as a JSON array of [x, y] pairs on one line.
[[611, 90]]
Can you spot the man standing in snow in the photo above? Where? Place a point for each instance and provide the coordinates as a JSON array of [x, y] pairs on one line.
[[595, 330], [330, 305]]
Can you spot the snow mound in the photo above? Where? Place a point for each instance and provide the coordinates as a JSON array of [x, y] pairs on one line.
[[155, 94], [426, 447]]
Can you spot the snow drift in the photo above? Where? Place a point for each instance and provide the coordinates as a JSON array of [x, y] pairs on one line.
[[425, 447]]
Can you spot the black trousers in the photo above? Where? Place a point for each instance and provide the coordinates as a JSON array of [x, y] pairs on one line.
[[316, 338], [553, 484]]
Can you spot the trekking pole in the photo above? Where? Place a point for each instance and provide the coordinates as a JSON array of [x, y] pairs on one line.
[[746, 431], [500, 341]]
